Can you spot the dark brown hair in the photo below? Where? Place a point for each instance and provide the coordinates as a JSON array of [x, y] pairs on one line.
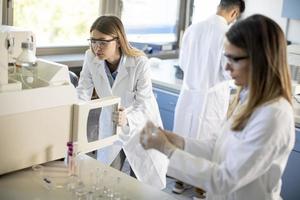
[[269, 75]]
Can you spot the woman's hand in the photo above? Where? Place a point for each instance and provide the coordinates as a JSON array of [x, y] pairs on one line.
[[175, 139], [155, 138], [120, 117]]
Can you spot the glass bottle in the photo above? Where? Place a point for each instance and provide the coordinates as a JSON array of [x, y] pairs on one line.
[[25, 67]]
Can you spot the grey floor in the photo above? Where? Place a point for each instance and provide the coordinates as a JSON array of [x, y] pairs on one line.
[[186, 195]]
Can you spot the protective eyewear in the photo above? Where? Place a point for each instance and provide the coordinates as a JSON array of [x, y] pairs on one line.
[[234, 59], [100, 42]]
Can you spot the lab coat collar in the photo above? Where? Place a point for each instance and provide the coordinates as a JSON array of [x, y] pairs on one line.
[[122, 71], [125, 63], [243, 95], [128, 61], [219, 17], [100, 69], [100, 72]]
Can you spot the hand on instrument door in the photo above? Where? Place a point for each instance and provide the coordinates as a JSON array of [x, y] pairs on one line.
[[120, 117]]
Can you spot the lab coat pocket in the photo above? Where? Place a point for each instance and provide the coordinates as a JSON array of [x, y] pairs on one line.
[[129, 98]]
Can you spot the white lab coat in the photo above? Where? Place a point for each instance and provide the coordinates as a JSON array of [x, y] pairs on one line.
[[204, 97], [243, 165], [133, 85]]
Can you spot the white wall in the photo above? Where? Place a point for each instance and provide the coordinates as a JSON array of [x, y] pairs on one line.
[[272, 9]]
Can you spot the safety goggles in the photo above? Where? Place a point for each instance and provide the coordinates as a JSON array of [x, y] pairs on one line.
[[100, 42]]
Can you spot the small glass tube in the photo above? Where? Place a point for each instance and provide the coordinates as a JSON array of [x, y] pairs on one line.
[[73, 180]]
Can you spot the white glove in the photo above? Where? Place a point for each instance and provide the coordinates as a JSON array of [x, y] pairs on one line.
[[175, 139], [153, 137]]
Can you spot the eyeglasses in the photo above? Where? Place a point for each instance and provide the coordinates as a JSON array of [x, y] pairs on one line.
[[234, 59], [100, 42]]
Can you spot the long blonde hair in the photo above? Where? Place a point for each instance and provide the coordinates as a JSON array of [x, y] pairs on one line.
[[112, 25], [269, 77]]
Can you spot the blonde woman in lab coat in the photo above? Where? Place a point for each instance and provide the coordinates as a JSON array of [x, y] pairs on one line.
[[114, 68], [246, 161]]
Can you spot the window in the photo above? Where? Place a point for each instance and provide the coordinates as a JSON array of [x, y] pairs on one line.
[[203, 9], [62, 26], [56, 22], [151, 21]]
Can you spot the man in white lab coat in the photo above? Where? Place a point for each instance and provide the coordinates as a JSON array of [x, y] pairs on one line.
[[204, 96]]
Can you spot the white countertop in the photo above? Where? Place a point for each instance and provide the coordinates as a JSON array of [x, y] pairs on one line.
[[163, 71], [293, 54], [163, 75], [29, 185]]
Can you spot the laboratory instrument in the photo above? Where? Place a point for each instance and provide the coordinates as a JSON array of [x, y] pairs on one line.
[[38, 119]]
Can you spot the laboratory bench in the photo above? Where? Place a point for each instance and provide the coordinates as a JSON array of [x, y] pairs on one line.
[[53, 182], [163, 73], [166, 89]]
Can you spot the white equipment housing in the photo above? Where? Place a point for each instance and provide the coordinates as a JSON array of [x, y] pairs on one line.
[[36, 123]]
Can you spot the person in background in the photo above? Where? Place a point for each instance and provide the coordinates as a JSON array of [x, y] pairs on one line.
[[204, 97], [114, 68], [247, 159]]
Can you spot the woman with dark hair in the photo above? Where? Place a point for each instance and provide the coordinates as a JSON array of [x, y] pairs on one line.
[[114, 68], [247, 159]]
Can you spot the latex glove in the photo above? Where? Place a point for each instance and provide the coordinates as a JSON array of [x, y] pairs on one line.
[[120, 117], [175, 139], [153, 137]]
